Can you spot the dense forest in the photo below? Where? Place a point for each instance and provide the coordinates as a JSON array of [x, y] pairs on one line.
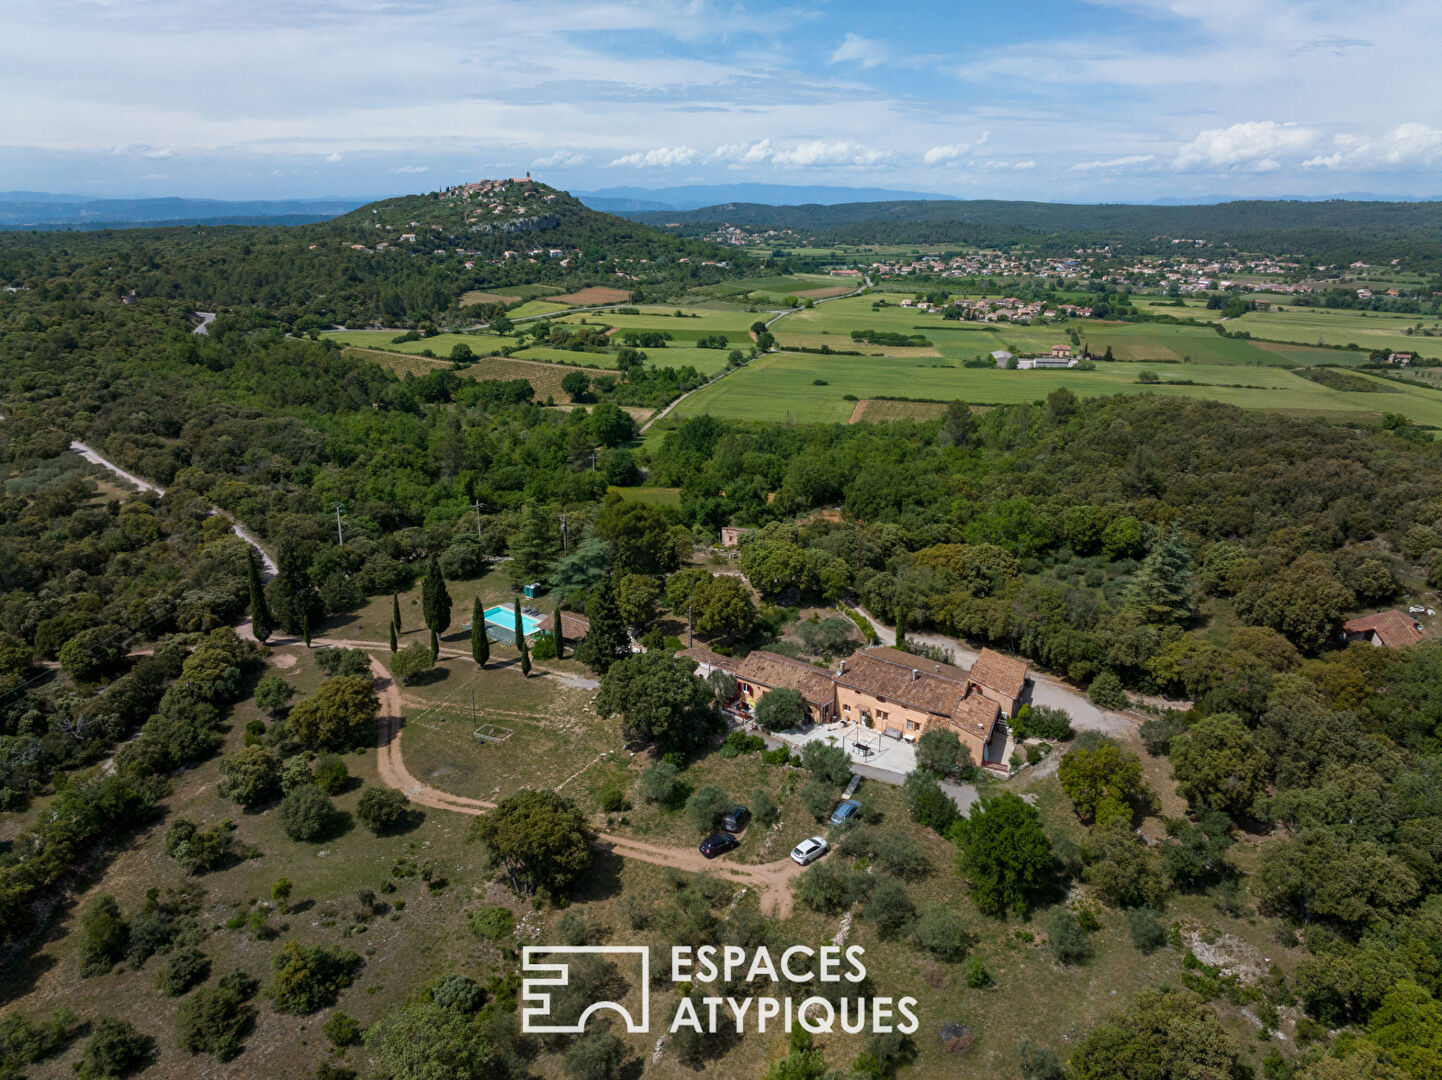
[[1337, 231]]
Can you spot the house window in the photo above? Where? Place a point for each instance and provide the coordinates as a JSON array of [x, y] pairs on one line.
[[881, 714], [846, 708], [911, 725]]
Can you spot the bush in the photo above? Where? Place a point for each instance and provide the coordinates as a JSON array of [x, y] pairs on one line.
[[927, 803], [309, 977], [827, 763], [1146, 930], [1039, 1062], [412, 661], [213, 1020], [939, 751], [825, 887], [103, 936], [199, 851], [381, 809], [184, 969], [24, 1043], [493, 922], [306, 814], [330, 774], [343, 661], [460, 993], [250, 775], [889, 908], [611, 797], [942, 932], [115, 1049], [1042, 722], [781, 710], [819, 799], [1106, 692], [705, 807], [763, 808], [658, 782], [1068, 941], [341, 1030], [977, 977], [574, 929]]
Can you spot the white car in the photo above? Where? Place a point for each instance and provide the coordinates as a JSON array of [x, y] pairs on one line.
[[1418, 609], [808, 851]]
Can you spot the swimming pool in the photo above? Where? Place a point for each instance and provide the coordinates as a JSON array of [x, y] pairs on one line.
[[502, 617]]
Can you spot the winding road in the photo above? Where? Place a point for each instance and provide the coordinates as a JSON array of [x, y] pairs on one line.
[[772, 881]]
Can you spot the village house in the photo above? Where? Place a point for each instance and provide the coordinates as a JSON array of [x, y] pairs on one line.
[[731, 535], [1389, 629]]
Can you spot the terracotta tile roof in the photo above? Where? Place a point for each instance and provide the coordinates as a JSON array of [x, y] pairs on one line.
[[910, 660], [976, 716], [778, 672], [1392, 628], [574, 626], [999, 673], [911, 684], [703, 655]]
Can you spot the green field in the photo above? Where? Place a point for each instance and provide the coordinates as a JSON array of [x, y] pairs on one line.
[[533, 308], [1370, 330], [441, 344], [783, 386]]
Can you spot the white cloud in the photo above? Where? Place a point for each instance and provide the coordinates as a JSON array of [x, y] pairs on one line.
[[1405, 144], [745, 153], [1113, 163], [938, 155], [561, 159], [863, 51], [821, 152], [334, 158], [663, 157], [410, 169], [999, 163], [1254, 145]]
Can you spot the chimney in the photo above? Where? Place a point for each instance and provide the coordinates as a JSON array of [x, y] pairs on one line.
[[915, 674], [841, 667]]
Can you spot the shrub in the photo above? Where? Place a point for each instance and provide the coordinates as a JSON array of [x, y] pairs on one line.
[[1146, 929], [381, 809], [763, 808], [213, 1020], [1068, 941], [927, 803], [493, 922], [103, 936], [309, 977], [658, 782], [114, 1050], [705, 807], [24, 1043], [250, 775], [296, 774], [341, 1030], [611, 798], [306, 813], [334, 661], [942, 932], [1106, 692], [184, 969], [330, 774], [819, 799], [198, 851], [412, 661], [1042, 722], [889, 908], [574, 929], [458, 992], [827, 763], [977, 977], [825, 887]]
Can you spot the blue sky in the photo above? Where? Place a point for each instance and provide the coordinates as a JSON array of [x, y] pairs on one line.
[[1082, 100]]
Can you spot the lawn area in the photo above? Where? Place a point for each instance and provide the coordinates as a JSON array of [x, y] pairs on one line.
[[1368, 329], [440, 344], [535, 307], [651, 496]]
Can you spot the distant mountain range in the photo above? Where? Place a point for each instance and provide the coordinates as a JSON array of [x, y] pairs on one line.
[[43, 210], [619, 200]]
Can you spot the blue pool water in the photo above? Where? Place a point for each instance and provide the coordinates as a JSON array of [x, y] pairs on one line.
[[503, 617]]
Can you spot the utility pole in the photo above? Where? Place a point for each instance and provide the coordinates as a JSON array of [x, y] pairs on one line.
[[478, 506], [593, 461], [690, 629], [564, 548], [339, 531]]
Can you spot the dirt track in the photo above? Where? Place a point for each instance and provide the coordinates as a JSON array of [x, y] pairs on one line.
[[772, 881]]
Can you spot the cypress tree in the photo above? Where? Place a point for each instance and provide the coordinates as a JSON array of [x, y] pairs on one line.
[[480, 641], [292, 598], [393, 637], [521, 641], [261, 623], [606, 641], [396, 613], [305, 629], [435, 647], [435, 600], [900, 626], [559, 633]]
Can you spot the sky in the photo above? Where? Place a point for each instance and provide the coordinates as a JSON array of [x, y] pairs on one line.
[[1062, 100]]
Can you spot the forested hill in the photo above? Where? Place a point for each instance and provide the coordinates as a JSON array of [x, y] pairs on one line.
[[1336, 230], [399, 261]]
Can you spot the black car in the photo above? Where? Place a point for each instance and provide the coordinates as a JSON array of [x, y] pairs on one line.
[[718, 844], [735, 819]]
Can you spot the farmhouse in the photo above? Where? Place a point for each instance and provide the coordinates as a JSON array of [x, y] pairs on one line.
[[731, 535], [899, 694], [1391, 629], [1402, 358]]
